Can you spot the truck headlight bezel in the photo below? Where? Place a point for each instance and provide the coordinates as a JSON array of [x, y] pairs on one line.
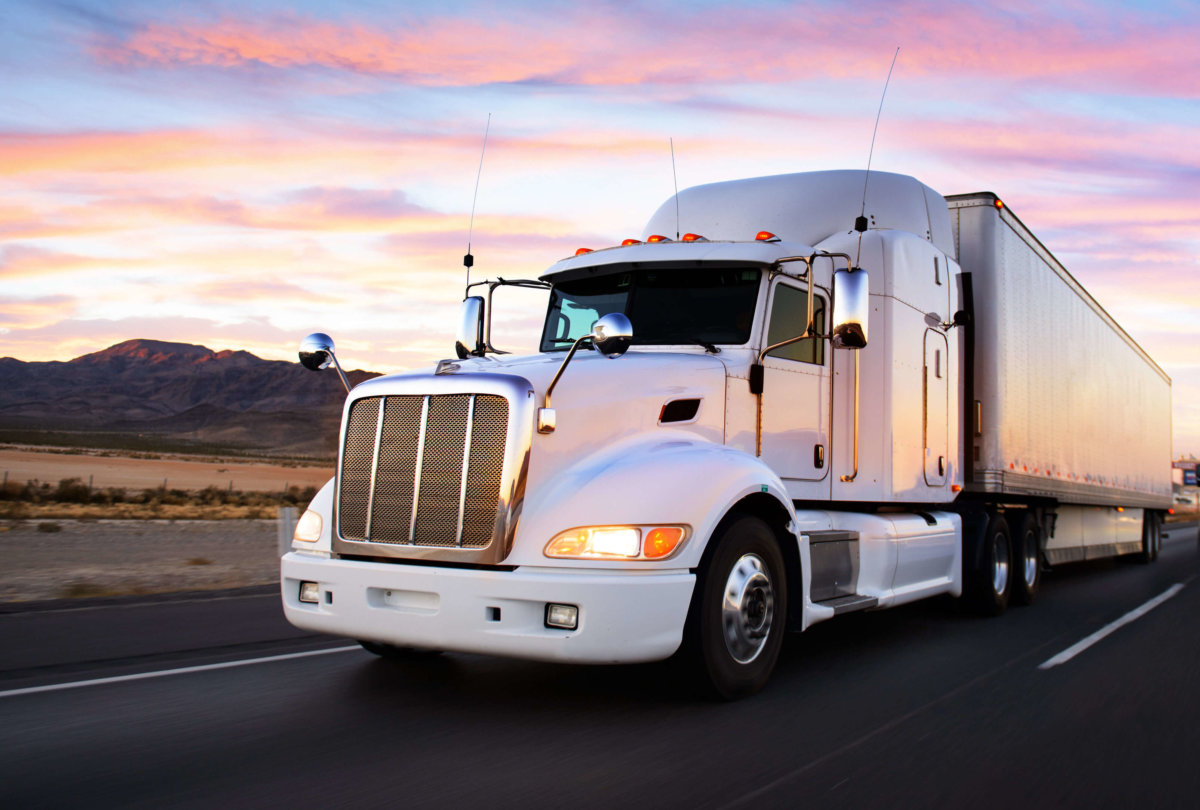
[[650, 543]]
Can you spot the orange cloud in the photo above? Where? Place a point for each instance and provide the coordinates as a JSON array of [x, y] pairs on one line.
[[19, 261], [226, 157]]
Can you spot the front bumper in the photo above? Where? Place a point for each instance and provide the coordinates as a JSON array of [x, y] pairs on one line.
[[624, 616]]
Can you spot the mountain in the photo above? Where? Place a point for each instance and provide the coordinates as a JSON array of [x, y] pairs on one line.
[[179, 392]]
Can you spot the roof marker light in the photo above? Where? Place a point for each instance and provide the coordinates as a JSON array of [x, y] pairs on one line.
[[657, 238], [626, 242], [582, 251], [693, 237], [766, 236], [998, 203]]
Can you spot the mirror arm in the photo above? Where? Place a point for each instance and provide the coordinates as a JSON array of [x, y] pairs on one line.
[[342, 374], [524, 283], [847, 479], [558, 374]]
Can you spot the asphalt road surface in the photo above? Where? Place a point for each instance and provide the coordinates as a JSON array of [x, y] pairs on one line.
[[219, 703]]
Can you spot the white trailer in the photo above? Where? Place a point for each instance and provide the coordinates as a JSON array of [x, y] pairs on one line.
[[813, 412], [1070, 415]]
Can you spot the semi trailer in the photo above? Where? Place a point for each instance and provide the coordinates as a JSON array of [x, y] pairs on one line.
[[835, 392]]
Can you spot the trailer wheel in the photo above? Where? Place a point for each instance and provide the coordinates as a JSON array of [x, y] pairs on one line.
[[1151, 537], [990, 584], [739, 611], [391, 652], [1027, 560]]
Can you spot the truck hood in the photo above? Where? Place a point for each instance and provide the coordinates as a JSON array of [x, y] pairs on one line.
[[600, 402]]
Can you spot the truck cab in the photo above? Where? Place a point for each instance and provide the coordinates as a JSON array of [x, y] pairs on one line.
[[727, 433]]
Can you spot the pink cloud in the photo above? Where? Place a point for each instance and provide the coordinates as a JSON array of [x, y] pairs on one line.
[[666, 45]]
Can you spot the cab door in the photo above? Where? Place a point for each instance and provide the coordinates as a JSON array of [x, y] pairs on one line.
[[936, 408], [796, 390]]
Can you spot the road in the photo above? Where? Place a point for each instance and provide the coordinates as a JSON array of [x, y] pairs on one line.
[[920, 706]]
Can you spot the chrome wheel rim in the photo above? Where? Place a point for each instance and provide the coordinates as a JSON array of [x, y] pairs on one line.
[[1031, 559], [748, 608], [999, 563]]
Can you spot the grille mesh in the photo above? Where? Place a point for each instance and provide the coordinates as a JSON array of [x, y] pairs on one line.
[[437, 488]]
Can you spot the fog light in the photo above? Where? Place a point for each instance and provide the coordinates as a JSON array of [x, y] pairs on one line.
[[310, 592], [565, 617]]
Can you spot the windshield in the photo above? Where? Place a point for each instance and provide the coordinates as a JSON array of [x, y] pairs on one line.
[[666, 306]]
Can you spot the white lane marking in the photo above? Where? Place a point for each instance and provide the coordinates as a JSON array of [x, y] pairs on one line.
[[162, 673], [1133, 615]]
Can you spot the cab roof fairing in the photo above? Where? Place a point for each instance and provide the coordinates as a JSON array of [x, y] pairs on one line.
[[684, 255], [808, 207]]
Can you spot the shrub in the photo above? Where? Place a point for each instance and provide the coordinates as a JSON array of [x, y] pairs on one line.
[[72, 490]]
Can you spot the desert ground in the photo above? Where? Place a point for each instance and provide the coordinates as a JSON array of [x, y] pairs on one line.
[[169, 472]]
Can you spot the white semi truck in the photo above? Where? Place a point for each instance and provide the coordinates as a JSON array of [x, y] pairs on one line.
[[818, 400]]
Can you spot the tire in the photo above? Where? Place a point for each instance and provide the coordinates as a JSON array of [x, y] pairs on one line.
[[391, 652], [990, 584], [1151, 537], [1027, 561], [739, 611]]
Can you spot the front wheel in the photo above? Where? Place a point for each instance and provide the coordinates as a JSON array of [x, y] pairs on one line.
[[739, 612]]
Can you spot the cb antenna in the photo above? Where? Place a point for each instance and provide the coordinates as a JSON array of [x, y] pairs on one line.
[[469, 260], [860, 224], [676, 178]]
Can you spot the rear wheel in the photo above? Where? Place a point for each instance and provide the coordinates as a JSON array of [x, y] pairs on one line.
[[739, 611], [1027, 577], [1151, 537], [989, 585]]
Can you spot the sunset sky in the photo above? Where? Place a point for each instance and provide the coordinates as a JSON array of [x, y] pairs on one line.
[[238, 174]]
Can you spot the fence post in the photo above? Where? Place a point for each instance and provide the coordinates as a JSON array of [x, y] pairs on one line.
[[286, 525]]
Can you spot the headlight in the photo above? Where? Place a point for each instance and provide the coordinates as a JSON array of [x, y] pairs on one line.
[[617, 542], [308, 528]]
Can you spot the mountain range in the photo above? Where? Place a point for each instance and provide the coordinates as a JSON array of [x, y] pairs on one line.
[[180, 393]]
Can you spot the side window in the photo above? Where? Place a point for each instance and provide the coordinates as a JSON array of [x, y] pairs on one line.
[[789, 315]]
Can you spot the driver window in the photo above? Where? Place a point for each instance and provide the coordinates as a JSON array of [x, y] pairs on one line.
[[789, 315]]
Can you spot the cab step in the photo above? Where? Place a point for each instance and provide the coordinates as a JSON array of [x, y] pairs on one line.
[[849, 604]]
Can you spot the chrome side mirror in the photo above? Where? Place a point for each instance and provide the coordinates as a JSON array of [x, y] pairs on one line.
[[468, 340], [851, 305], [316, 353], [612, 334]]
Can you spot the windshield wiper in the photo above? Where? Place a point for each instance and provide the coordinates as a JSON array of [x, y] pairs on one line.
[[711, 348]]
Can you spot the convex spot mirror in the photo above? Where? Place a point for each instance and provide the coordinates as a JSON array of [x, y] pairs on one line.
[[468, 340], [851, 305], [316, 351], [612, 334]]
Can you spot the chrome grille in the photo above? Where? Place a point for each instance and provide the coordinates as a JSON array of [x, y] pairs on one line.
[[423, 470]]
